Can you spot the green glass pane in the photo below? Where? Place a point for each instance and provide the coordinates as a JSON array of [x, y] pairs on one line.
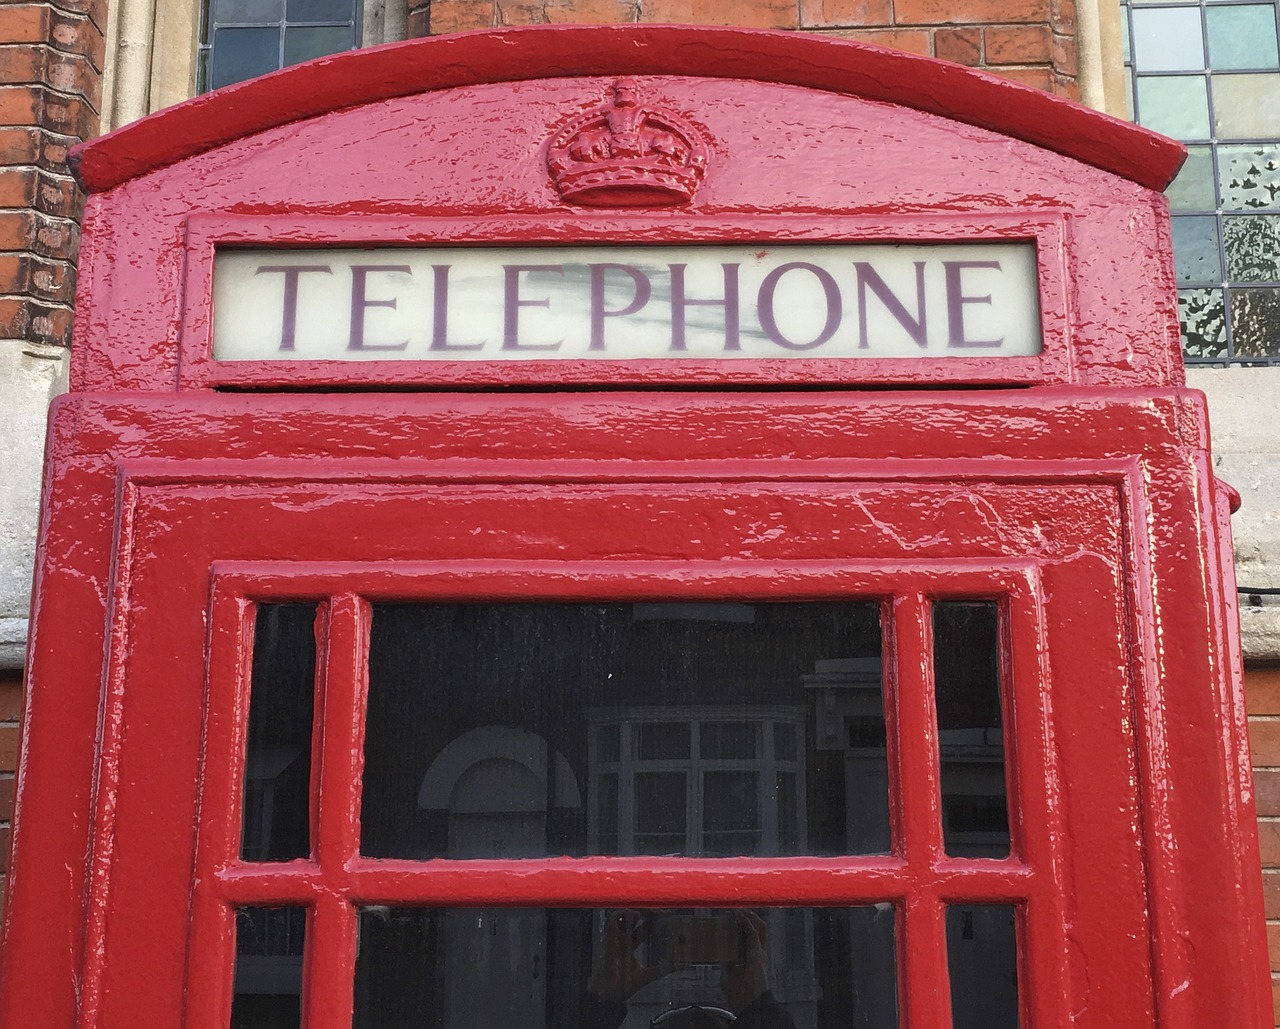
[[1252, 245], [1195, 249], [1178, 106], [247, 12], [1192, 190], [1255, 322], [1242, 37], [1249, 177], [321, 10], [1245, 106], [1204, 323], [1167, 39], [302, 44]]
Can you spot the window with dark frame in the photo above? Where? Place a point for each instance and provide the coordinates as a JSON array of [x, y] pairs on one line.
[[528, 731], [240, 39]]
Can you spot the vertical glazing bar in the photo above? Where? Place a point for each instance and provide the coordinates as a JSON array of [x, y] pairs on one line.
[[338, 759], [922, 954]]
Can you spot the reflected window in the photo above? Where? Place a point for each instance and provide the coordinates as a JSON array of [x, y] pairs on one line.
[[537, 968], [703, 730], [267, 988], [240, 39]]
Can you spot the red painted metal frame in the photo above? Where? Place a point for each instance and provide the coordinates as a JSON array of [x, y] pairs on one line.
[[919, 877], [447, 62], [207, 232]]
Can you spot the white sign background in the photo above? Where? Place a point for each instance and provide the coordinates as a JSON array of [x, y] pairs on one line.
[[616, 303]]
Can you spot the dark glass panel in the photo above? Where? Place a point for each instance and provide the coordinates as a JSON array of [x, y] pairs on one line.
[[982, 962], [303, 44], [322, 10], [1195, 249], [246, 12], [240, 54], [775, 968], [268, 973], [277, 773], [966, 642], [520, 717]]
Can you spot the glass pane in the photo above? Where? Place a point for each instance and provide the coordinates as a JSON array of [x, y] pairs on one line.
[[1167, 39], [1204, 322], [1255, 322], [321, 10], [277, 768], [1252, 246], [982, 964], [1249, 176], [1242, 37], [1195, 249], [662, 741], [535, 968], [303, 44], [1126, 47], [503, 725], [1192, 190], [240, 54], [268, 973], [728, 739], [1244, 106], [247, 12], [966, 662], [1178, 106], [607, 814]]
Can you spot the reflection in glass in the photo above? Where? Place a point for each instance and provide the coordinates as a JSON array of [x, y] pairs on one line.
[[1204, 322], [982, 962], [268, 971], [975, 811], [240, 54], [702, 730], [277, 770], [302, 43], [774, 968]]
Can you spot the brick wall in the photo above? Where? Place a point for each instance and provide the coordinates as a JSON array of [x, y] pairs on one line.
[[1032, 41], [1262, 697], [51, 57], [10, 711]]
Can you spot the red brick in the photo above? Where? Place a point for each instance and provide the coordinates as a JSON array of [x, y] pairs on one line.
[[845, 13], [49, 237], [67, 73], [591, 12], [1271, 893], [460, 16], [23, 318], [49, 281], [963, 46], [1262, 691], [78, 35], [913, 41], [747, 14], [1065, 55], [1266, 788], [1264, 742], [8, 747], [1020, 44], [10, 698], [24, 23], [521, 12], [4, 848], [1273, 944], [24, 144], [1041, 78], [6, 797], [968, 12], [1269, 842], [1066, 87]]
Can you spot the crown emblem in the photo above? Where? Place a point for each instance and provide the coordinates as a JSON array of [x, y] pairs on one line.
[[627, 154]]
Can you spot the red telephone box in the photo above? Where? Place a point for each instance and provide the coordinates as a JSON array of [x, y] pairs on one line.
[[618, 526]]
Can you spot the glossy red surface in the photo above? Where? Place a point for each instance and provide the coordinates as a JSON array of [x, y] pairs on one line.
[[1081, 496]]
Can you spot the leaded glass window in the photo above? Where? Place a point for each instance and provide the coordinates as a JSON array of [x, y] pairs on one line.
[[1208, 72], [243, 38]]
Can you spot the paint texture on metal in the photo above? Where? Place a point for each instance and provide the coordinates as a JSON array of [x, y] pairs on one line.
[[1081, 500]]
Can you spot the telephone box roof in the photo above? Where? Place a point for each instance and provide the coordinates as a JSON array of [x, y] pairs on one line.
[[442, 62]]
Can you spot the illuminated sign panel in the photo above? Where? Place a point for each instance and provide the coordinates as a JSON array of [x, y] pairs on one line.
[[627, 303]]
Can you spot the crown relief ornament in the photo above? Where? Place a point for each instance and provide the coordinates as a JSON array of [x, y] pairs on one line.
[[627, 154]]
